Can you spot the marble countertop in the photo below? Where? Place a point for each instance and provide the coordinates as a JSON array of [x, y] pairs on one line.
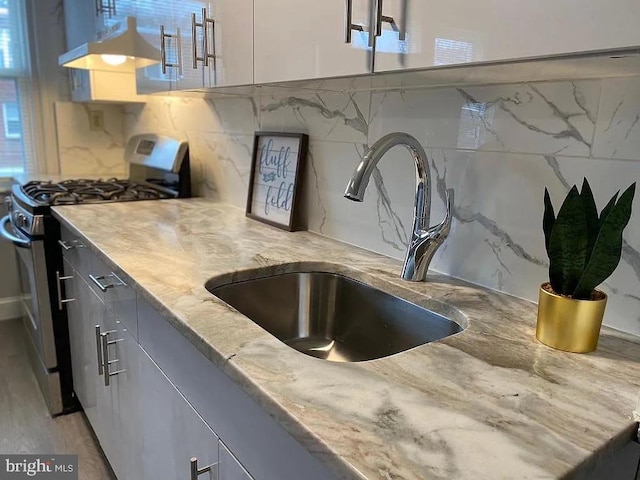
[[487, 403]]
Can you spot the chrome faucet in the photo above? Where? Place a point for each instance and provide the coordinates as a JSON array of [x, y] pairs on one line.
[[425, 240]]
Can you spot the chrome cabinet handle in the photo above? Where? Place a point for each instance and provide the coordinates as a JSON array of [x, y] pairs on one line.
[[196, 472], [99, 350], [194, 40], [348, 25], [163, 50], [380, 19], [104, 287], [59, 279], [206, 24], [106, 363], [66, 247]]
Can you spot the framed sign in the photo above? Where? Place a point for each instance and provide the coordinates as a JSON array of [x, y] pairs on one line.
[[276, 171]]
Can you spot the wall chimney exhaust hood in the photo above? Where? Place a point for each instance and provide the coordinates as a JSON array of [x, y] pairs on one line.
[[123, 50]]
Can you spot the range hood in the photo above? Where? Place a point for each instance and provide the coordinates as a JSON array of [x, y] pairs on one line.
[[123, 50]]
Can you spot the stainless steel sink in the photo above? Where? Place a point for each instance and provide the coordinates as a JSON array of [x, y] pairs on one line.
[[333, 317]]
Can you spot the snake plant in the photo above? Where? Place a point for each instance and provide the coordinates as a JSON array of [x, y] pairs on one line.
[[583, 248]]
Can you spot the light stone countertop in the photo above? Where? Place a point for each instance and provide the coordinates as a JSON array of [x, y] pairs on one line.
[[487, 403]]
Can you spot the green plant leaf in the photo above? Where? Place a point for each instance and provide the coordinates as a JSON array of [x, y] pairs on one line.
[[607, 209], [608, 245], [591, 214], [568, 245], [548, 219]]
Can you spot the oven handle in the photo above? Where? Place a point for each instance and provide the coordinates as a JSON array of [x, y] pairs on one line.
[[12, 238]]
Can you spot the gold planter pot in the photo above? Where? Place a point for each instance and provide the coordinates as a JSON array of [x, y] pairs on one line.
[[567, 324]]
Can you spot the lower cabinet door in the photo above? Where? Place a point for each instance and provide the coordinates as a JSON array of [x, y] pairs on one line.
[[121, 358], [86, 315], [229, 467], [172, 431]]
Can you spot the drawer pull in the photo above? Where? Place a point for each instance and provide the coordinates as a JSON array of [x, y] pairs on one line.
[[196, 472], [66, 246], [59, 279], [104, 287], [106, 363], [99, 350]]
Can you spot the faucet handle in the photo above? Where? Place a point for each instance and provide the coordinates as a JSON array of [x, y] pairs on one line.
[[449, 197], [440, 231]]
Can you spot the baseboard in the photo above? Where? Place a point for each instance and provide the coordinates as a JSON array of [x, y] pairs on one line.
[[10, 307]]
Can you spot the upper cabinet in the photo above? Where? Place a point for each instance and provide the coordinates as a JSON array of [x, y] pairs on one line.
[[221, 43], [89, 20], [295, 40], [203, 44], [423, 34]]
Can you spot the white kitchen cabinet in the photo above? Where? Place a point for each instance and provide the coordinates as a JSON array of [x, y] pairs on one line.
[[190, 62], [306, 40], [445, 32], [89, 20], [80, 22], [233, 46], [256, 440], [229, 468], [121, 381], [83, 344], [84, 314], [101, 346], [296, 40], [173, 432], [102, 86], [167, 26], [165, 402]]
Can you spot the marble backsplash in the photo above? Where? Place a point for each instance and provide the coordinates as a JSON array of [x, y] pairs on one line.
[[86, 151], [497, 146]]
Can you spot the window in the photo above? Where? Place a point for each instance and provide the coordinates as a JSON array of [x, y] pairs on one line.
[[15, 89], [11, 118]]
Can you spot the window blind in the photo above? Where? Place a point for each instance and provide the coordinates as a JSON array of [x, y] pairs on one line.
[[16, 90]]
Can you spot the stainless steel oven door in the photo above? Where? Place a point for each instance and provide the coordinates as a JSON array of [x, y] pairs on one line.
[[35, 290]]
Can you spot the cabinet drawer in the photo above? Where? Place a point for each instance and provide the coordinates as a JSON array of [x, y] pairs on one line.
[[117, 293], [263, 447], [83, 260], [121, 300], [71, 247]]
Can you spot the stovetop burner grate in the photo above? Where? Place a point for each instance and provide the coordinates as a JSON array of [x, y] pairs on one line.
[[69, 192]]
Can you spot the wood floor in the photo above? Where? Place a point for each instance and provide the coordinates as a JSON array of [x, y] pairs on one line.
[[25, 424]]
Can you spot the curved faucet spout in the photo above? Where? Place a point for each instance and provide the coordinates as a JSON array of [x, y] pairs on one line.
[[425, 241]]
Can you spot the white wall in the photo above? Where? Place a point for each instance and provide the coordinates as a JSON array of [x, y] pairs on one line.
[[497, 146], [10, 306]]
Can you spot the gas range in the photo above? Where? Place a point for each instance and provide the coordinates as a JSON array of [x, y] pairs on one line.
[[159, 169], [31, 201], [70, 192]]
